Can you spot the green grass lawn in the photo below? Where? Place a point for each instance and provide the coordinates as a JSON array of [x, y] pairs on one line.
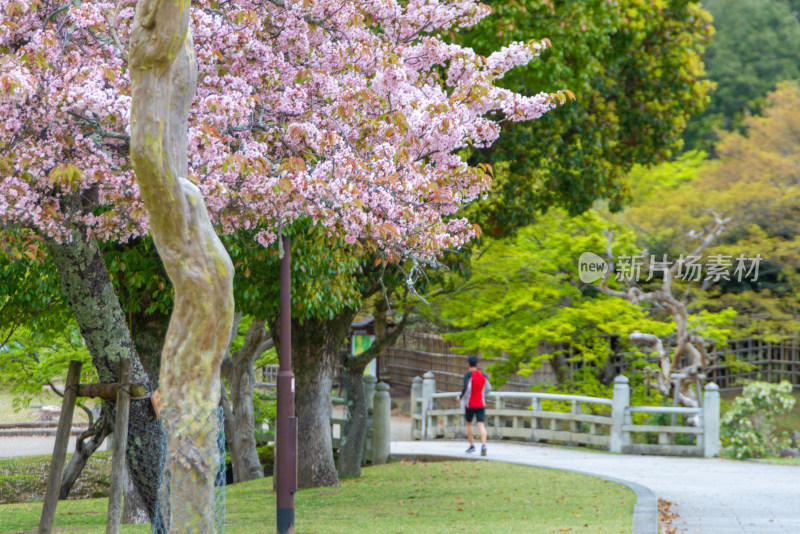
[[10, 414], [402, 497], [786, 461], [24, 479]]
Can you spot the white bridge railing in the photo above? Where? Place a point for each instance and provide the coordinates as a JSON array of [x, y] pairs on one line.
[[605, 423]]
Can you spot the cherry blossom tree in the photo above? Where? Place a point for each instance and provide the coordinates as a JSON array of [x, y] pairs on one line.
[[354, 114]]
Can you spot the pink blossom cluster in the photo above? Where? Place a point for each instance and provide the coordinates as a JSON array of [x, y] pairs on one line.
[[352, 112]]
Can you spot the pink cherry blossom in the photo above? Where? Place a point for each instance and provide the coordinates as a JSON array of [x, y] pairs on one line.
[[354, 113]]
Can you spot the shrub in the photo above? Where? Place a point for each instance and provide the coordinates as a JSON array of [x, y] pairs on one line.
[[748, 428]]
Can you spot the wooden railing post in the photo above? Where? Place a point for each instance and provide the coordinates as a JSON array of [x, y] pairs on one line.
[[60, 448], [620, 401], [114, 515]]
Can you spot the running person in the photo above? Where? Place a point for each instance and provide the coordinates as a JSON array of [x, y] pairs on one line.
[[476, 387]]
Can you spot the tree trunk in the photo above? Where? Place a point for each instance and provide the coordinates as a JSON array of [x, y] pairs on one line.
[[148, 332], [93, 300], [91, 296], [228, 418], [316, 344], [163, 72], [134, 509], [238, 371], [244, 455], [354, 434]]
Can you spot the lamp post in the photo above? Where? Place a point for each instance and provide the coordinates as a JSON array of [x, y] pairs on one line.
[[286, 439]]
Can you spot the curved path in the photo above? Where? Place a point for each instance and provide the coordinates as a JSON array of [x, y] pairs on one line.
[[713, 496]]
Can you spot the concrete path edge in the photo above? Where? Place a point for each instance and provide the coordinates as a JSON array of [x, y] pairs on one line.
[[645, 511]]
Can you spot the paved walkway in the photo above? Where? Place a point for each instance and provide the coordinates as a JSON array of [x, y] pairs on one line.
[[713, 496], [11, 446]]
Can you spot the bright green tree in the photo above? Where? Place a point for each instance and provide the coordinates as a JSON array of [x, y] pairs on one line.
[[524, 297], [30, 295]]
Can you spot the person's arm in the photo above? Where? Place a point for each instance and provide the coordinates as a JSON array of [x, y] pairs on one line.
[[466, 385], [487, 387]]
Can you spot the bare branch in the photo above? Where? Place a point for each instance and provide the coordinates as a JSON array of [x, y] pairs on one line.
[[670, 378]]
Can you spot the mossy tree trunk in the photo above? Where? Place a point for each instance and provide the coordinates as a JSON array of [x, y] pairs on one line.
[[92, 299], [163, 75]]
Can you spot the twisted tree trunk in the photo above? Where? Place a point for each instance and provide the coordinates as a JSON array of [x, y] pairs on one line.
[[163, 74], [672, 377], [86, 444]]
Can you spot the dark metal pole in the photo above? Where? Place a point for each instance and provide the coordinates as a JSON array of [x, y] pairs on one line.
[[286, 444]]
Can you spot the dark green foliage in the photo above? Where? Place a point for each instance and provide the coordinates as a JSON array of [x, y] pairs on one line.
[[757, 45], [323, 273], [635, 70], [139, 277]]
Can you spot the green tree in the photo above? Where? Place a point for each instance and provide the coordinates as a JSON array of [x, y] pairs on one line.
[[326, 295], [756, 46], [754, 182], [30, 295], [635, 69], [524, 296]]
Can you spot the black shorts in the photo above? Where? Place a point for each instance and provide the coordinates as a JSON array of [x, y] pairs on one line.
[[478, 413]]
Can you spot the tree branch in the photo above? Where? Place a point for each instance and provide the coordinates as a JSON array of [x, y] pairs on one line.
[[354, 363]]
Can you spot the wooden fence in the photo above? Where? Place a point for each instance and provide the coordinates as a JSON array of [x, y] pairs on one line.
[[414, 354], [770, 361]]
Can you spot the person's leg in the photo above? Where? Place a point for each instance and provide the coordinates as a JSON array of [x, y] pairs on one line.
[[480, 415], [469, 415], [482, 431]]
